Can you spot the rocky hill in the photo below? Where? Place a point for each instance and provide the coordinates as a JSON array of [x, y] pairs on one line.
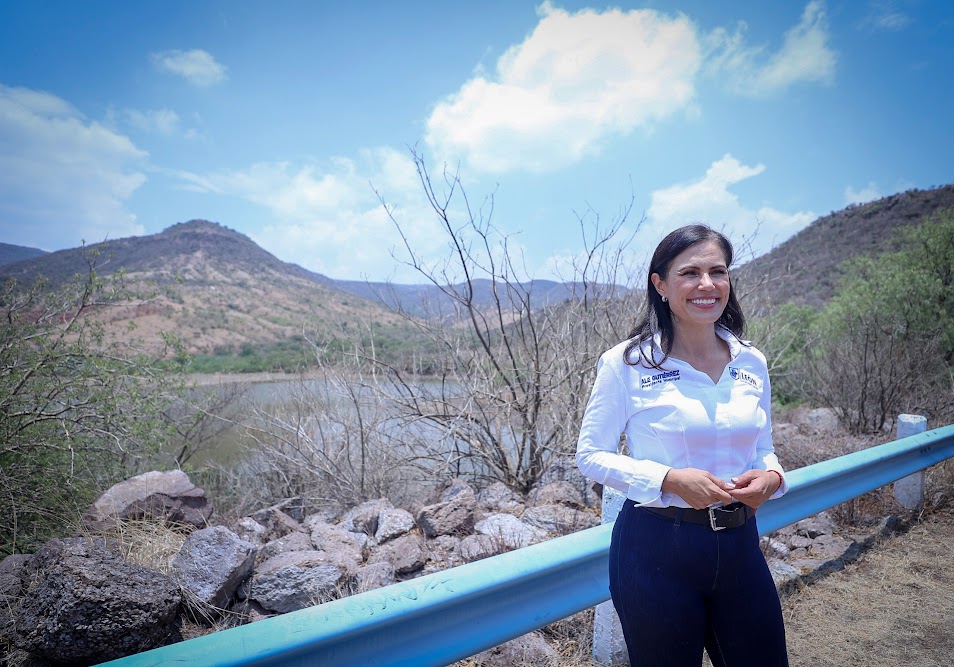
[[14, 253], [805, 269], [225, 293], [218, 290]]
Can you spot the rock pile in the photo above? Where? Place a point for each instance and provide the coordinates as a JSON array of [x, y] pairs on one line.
[[815, 546], [79, 602]]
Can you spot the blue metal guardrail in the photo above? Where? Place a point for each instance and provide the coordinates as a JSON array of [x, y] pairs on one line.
[[449, 615]]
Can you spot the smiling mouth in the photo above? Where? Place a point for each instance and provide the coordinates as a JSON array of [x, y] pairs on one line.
[[703, 302]]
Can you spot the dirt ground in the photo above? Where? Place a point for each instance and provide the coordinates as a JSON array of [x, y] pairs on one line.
[[894, 607]]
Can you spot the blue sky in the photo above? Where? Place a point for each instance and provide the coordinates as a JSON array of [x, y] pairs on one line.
[[288, 120]]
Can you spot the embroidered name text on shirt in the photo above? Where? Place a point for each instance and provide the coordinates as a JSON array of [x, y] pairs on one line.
[[649, 381]]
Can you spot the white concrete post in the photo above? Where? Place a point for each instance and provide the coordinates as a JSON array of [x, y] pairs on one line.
[[909, 491], [609, 648]]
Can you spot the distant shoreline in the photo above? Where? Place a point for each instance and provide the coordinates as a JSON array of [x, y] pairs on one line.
[[208, 379]]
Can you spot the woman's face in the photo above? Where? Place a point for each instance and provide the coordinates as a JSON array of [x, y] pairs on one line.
[[697, 286]]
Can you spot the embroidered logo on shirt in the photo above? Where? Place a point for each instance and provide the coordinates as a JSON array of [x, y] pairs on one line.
[[652, 380], [743, 376]]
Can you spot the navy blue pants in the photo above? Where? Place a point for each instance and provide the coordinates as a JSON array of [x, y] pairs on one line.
[[680, 587]]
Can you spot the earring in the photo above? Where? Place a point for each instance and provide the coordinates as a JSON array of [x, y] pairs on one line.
[[665, 299]]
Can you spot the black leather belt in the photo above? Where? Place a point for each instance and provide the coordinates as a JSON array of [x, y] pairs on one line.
[[716, 518]]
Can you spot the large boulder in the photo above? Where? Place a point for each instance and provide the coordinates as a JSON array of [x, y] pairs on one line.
[[276, 523], [453, 514], [295, 580], [341, 546], [291, 542], [393, 523], [564, 468], [211, 564], [818, 421], [405, 555], [162, 495], [509, 532], [559, 519], [84, 605], [375, 575], [557, 493], [477, 547], [498, 497], [364, 517]]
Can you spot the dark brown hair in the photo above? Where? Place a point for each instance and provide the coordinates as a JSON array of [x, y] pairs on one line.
[[657, 317]]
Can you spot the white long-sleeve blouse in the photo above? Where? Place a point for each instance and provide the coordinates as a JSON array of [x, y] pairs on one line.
[[676, 417]]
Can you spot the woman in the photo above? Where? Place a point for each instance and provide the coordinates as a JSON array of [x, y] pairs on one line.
[[693, 401]]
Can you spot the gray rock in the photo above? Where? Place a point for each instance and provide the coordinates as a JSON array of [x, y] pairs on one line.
[[563, 468], [498, 497], [335, 539], [529, 649], [276, 523], [454, 489], [509, 531], [476, 547], [291, 542], [393, 523], [84, 605], [819, 421], [797, 554], [249, 610], [211, 564], [444, 553], [807, 565], [559, 519], [375, 575], [406, 554], [250, 530], [800, 542], [162, 495], [783, 574], [364, 517], [774, 548], [557, 493], [451, 517], [820, 524], [829, 547], [294, 580]]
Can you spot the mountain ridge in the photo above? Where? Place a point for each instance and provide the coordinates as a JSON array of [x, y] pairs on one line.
[[224, 292]]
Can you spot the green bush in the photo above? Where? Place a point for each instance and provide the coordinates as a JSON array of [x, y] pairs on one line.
[[78, 410]]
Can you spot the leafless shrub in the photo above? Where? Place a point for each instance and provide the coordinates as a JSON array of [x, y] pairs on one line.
[[516, 367]]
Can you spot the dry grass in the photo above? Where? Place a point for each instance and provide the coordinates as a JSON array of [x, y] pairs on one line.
[[892, 608]]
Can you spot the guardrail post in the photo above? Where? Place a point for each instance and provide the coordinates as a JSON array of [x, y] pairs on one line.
[[909, 491], [609, 647]]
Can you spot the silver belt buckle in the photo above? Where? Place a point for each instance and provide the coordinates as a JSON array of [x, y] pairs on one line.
[[712, 517]]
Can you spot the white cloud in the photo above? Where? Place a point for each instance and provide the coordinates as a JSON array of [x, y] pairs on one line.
[[63, 178], [709, 200], [578, 80], [329, 219], [198, 67], [158, 121], [805, 56], [884, 16], [862, 196]]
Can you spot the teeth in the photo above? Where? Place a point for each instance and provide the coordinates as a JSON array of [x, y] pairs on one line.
[[703, 302]]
